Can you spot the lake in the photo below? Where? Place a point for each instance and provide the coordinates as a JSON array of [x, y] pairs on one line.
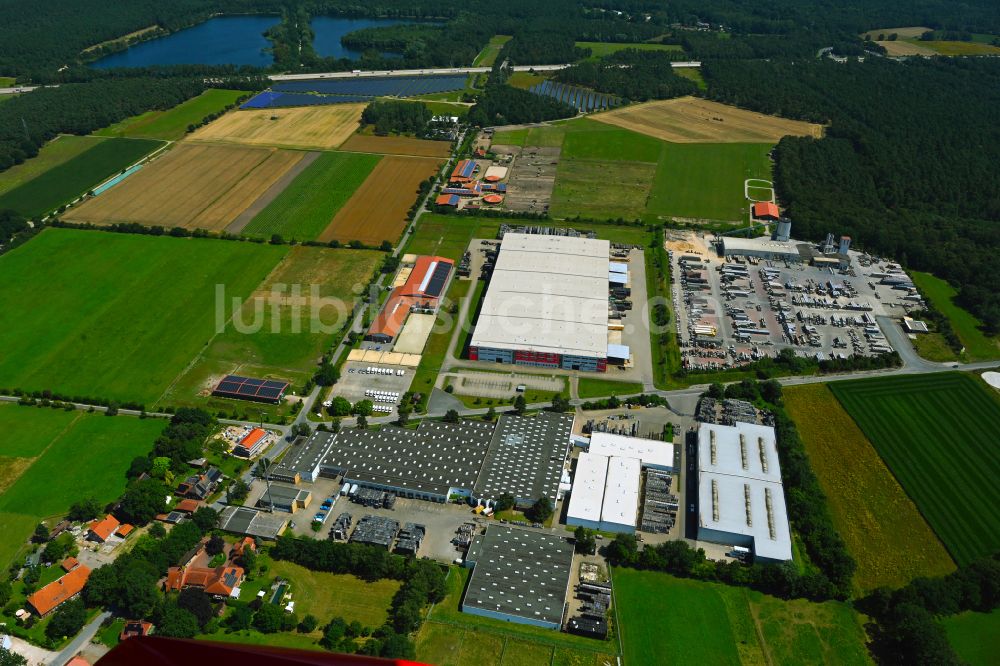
[[235, 40], [224, 40]]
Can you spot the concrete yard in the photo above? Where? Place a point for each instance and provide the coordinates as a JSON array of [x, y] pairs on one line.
[[503, 386], [354, 382], [531, 177]]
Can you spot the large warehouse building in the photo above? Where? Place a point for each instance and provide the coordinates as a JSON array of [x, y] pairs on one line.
[[547, 304], [421, 290], [519, 575], [741, 501], [605, 494]]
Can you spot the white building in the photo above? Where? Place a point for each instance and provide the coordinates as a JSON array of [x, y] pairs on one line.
[[605, 493], [741, 500]]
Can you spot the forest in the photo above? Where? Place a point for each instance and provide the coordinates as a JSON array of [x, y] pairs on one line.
[[397, 117], [906, 169], [632, 74]]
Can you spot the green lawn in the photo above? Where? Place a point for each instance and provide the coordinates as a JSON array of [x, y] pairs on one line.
[[705, 180], [601, 190], [693, 74], [598, 388], [600, 49], [489, 54], [64, 182], [305, 208], [328, 595], [172, 123], [548, 136], [587, 139], [941, 295], [667, 620], [7, 81], [61, 149], [975, 637], [115, 315], [63, 456], [448, 108], [937, 434], [289, 342]]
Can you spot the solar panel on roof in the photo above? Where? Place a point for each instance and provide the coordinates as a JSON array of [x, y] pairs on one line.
[[436, 283]]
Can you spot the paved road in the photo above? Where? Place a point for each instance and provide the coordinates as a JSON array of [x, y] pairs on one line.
[[687, 64], [84, 637]]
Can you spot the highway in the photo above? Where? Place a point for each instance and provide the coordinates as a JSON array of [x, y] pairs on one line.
[[437, 71]]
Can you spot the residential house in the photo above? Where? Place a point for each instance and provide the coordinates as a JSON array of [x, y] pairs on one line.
[[101, 530], [56, 593], [218, 582], [200, 486]]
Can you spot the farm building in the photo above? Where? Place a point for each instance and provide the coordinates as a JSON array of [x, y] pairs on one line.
[[421, 291], [605, 492], [519, 575], [220, 581], [766, 210], [246, 388], [58, 592], [525, 458], [741, 500], [547, 304], [464, 172], [447, 200]]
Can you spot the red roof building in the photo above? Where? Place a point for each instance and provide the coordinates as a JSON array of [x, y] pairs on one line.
[[766, 210], [70, 563], [101, 530], [50, 597], [135, 628], [251, 444], [240, 547], [125, 530], [422, 288], [220, 581], [187, 506]]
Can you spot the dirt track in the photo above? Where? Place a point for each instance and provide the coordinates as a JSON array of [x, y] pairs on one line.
[[396, 145], [377, 211], [693, 120]]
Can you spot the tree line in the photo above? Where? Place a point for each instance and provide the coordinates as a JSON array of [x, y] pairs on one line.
[[904, 168], [397, 117]]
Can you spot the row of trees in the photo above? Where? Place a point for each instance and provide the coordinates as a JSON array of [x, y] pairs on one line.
[[397, 117]]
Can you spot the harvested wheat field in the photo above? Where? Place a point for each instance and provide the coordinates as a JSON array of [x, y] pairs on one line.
[[693, 120], [377, 211], [198, 186], [900, 48], [303, 127], [397, 145]]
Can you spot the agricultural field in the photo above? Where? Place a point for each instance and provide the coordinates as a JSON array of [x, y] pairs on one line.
[[705, 181], [524, 80], [397, 145], [448, 108], [172, 124], [978, 347], [62, 183], [36, 482], [975, 637], [600, 49], [937, 434], [377, 211], [195, 185], [62, 329], [451, 638], [274, 334], [319, 127], [695, 120], [903, 47], [947, 48], [57, 151], [884, 531], [545, 136], [489, 54], [692, 74], [667, 620], [305, 208], [602, 190]]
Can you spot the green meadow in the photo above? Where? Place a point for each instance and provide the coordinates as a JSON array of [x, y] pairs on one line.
[[172, 124]]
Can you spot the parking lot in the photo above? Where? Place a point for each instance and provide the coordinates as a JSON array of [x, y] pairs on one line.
[[355, 380], [733, 311]]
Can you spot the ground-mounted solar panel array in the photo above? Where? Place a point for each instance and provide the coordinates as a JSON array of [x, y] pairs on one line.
[[274, 100], [314, 92], [246, 388], [581, 98]]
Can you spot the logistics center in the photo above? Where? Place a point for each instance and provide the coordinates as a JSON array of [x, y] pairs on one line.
[[546, 304]]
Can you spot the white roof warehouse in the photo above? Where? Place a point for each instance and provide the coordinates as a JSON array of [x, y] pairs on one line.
[[547, 303]]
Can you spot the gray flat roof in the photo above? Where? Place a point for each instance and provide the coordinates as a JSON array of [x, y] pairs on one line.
[[547, 294], [526, 456], [431, 459], [305, 456], [733, 245], [282, 494], [520, 572], [250, 522]]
